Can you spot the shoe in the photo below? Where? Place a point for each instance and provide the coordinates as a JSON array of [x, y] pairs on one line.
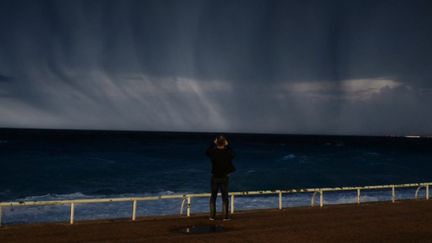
[[211, 219], [227, 219]]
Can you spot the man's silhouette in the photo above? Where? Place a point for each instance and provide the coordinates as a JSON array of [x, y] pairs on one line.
[[221, 156]]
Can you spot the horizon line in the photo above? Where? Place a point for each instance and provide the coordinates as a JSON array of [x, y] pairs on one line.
[[409, 136]]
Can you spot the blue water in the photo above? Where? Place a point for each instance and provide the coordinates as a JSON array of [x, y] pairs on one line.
[[61, 164]]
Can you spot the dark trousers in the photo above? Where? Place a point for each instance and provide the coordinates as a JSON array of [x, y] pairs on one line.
[[216, 185]]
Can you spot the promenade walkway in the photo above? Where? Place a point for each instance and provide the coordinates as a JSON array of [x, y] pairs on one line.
[[402, 221]]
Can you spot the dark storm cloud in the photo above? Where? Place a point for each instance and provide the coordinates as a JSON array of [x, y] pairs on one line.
[[5, 78], [348, 67]]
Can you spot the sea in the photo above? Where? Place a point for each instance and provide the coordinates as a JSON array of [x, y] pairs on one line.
[[47, 164]]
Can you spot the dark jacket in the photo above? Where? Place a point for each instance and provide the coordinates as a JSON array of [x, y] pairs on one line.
[[221, 160]]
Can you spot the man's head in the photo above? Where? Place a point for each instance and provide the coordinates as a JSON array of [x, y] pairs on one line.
[[221, 141]]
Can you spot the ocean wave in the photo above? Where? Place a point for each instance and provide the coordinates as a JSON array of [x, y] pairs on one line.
[[53, 196], [334, 144], [80, 195], [5, 192], [109, 161], [289, 157], [373, 154]]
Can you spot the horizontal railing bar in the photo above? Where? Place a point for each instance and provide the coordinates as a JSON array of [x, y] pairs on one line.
[[177, 196], [374, 187], [89, 201]]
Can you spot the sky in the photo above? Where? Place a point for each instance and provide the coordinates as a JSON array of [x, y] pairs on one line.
[[258, 66]]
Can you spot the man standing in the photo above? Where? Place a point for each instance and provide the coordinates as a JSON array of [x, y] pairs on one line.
[[221, 156]]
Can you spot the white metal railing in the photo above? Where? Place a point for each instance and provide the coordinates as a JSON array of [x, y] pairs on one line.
[[188, 197]]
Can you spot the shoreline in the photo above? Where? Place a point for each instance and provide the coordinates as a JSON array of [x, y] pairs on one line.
[[402, 221]]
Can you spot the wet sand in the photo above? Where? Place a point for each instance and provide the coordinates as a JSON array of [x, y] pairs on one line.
[[402, 221]]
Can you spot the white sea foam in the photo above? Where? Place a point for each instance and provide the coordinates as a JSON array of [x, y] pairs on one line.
[[5, 192], [373, 154], [80, 195], [109, 161], [49, 197], [289, 157]]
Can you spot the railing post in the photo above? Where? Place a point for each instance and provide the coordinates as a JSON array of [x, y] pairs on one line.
[[358, 195], [72, 212], [134, 206], [417, 191], [321, 198], [280, 200], [393, 194], [232, 203], [188, 211], [182, 205], [427, 192], [1, 214], [313, 199]]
